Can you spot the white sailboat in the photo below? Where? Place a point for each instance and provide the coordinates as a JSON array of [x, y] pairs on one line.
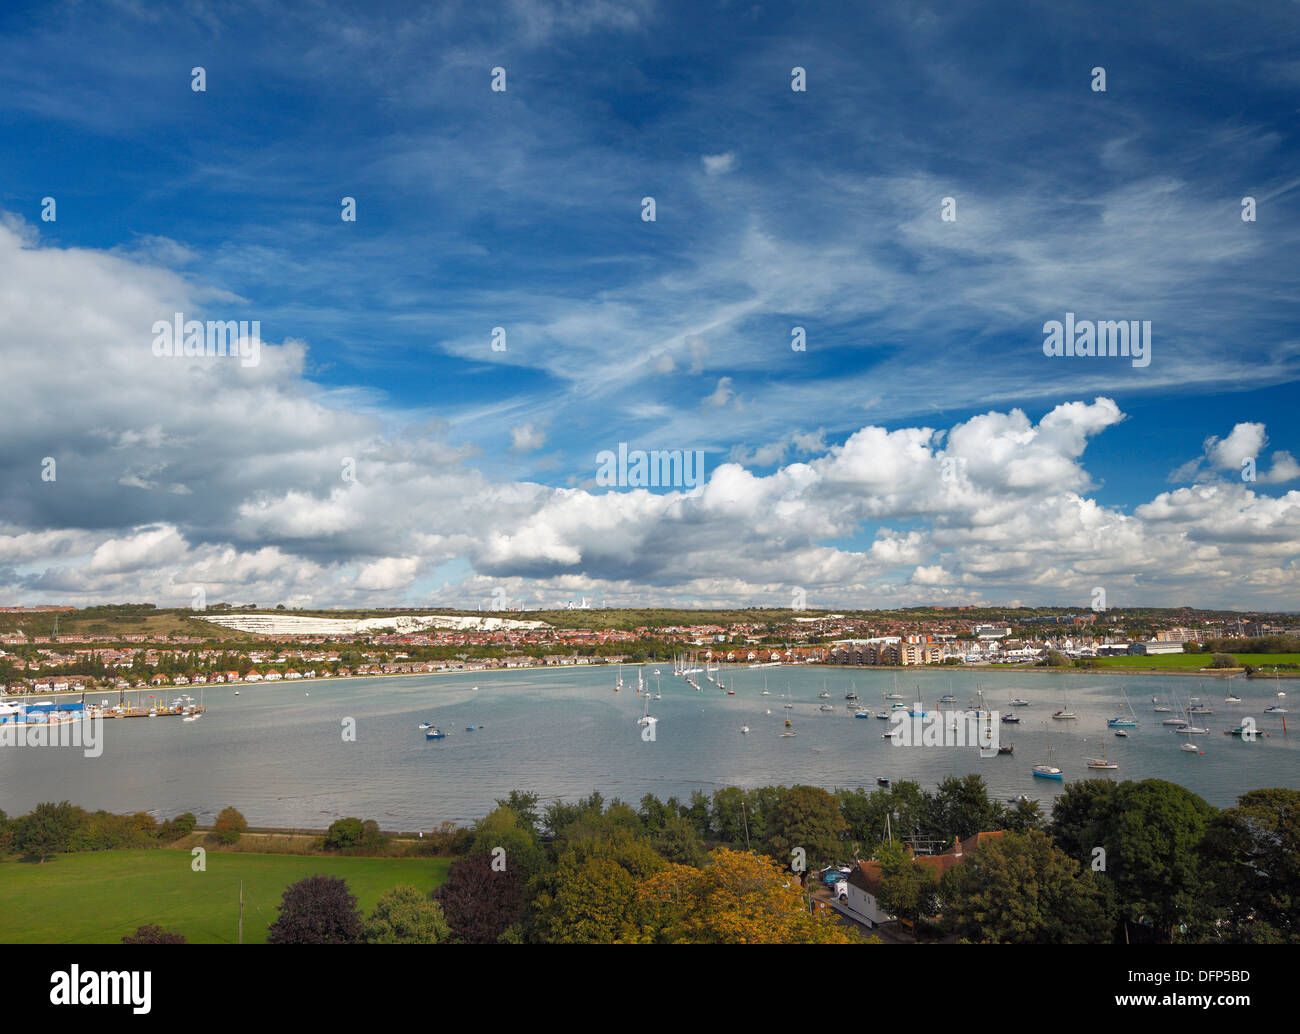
[[1103, 761]]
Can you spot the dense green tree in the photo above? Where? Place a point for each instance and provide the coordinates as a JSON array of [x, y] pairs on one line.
[[1251, 866], [524, 804], [48, 829], [1023, 816], [181, 826], [588, 902], [502, 831], [1022, 890], [729, 817], [907, 890], [343, 833], [678, 842], [406, 915], [1075, 813], [961, 808], [317, 910], [1150, 831], [807, 818], [698, 814], [654, 813]]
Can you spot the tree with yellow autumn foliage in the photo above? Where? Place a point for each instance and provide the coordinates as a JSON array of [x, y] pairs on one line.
[[738, 898]]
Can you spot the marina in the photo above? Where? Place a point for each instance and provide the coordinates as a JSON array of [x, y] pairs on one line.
[[276, 753]]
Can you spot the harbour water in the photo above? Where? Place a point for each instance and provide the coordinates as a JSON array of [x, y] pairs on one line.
[[279, 753]]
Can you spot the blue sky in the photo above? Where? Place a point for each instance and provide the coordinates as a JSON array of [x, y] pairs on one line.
[[775, 208]]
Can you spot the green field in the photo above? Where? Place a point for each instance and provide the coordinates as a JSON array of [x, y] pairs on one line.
[[1198, 660], [99, 896]]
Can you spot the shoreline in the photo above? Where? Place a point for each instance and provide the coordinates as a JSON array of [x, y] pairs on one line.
[[1218, 673]]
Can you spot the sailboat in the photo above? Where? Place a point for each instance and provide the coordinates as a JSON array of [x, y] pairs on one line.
[[1049, 769], [789, 729], [659, 693], [1065, 714], [1124, 721], [1103, 761], [765, 692], [646, 718], [618, 686]]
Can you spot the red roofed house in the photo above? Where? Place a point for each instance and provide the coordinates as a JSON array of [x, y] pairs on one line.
[[859, 893]]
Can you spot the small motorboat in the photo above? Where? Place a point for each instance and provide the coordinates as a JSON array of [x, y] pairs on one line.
[[1008, 749], [434, 733], [1063, 716], [1019, 703], [1276, 709], [470, 728], [1191, 748], [1121, 723], [1161, 709], [1011, 719], [883, 717], [825, 707], [882, 781], [947, 698], [744, 728], [824, 696], [426, 725], [1232, 699], [1121, 734], [862, 713]]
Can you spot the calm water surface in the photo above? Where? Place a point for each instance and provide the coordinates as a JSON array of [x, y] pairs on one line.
[[277, 752]]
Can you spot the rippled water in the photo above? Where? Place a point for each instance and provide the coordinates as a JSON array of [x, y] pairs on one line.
[[277, 752]]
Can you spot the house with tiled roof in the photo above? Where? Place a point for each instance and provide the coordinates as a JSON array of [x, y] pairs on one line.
[[859, 894]]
